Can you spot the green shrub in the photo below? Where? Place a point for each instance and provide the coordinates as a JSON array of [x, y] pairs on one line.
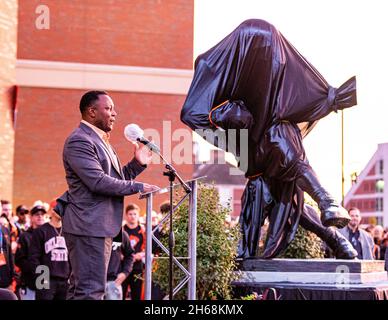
[[216, 248], [306, 245]]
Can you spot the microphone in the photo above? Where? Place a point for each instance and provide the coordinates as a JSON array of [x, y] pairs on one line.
[[133, 132]]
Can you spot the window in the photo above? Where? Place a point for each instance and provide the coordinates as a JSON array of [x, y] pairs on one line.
[[379, 204], [381, 167], [380, 185]]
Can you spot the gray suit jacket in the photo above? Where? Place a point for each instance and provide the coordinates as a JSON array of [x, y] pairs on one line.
[[366, 240], [95, 198]]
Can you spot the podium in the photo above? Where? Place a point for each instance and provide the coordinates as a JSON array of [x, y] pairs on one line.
[[190, 273]]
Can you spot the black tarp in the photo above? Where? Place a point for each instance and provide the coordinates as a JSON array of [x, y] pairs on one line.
[[286, 291], [255, 79]]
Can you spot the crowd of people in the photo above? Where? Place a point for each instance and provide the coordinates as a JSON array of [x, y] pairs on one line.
[[31, 240], [370, 241], [34, 263]]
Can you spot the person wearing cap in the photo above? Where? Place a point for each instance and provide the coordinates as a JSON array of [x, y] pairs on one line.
[[23, 221], [48, 248], [97, 184], [26, 287]]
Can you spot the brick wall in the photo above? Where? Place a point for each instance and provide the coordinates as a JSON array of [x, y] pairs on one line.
[[153, 33], [8, 31], [150, 33]]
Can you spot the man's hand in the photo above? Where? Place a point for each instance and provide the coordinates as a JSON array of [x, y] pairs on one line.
[[138, 256], [142, 154], [14, 246], [120, 278], [149, 187]]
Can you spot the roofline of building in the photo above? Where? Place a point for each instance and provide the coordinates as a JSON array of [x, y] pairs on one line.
[[378, 155], [361, 177]]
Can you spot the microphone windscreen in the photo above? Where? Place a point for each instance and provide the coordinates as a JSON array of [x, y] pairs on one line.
[[132, 132]]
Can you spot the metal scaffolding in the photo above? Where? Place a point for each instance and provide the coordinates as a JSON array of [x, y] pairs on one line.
[[190, 273]]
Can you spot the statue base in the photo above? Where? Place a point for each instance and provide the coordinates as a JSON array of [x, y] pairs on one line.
[[313, 279]]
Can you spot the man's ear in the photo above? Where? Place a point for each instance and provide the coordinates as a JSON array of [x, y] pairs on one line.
[[91, 111]]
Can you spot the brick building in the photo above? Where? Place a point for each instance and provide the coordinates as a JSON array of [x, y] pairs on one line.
[[8, 33], [140, 51], [368, 193]]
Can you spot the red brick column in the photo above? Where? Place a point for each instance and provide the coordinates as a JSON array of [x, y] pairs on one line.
[[8, 34]]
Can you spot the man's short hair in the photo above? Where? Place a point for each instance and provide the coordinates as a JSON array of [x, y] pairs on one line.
[[165, 207], [89, 98], [131, 207], [3, 202], [353, 208]]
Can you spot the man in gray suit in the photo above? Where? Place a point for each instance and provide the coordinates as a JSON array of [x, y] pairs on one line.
[[360, 239], [94, 201]]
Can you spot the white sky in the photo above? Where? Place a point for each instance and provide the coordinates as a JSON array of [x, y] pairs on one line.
[[341, 38]]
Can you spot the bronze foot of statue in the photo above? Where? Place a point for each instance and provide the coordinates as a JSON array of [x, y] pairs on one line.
[[340, 246], [334, 215]]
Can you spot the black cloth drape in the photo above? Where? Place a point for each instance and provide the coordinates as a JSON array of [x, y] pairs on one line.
[[255, 79], [306, 292]]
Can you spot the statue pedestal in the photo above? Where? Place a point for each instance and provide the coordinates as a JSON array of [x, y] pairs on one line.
[[314, 279]]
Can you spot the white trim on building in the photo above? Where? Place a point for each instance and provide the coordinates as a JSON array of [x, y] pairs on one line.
[[365, 196], [71, 75]]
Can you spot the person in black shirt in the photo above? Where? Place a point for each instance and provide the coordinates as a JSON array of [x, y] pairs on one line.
[[386, 259], [23, 222], [48, 248], [6, 214], [157, 230], [26, 288], [354, 238], [136, 234], [120, 266], [6, 260]]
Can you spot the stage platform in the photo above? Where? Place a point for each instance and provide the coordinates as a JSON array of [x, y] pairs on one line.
[[314, 279]]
